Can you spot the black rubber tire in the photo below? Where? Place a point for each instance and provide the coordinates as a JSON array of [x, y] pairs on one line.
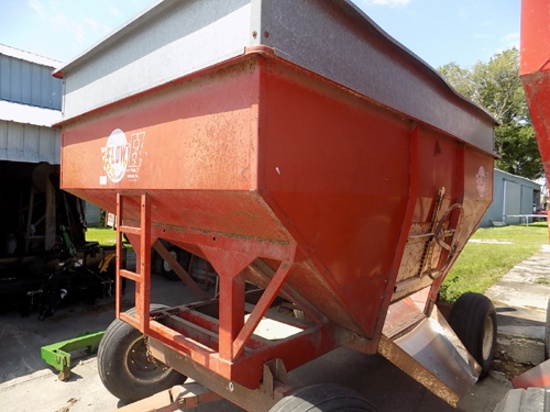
[[135, 378], [184, 259], [474, 320], [323, 398]]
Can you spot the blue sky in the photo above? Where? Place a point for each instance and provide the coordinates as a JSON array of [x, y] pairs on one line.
[[438, 31]]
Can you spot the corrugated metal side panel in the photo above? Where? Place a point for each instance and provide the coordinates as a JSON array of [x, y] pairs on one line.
[[28, 56], [28, 143], [512, 199], [495, 211], [15, 76], [180, 40], [29, 83], [26, 82], [5, 77], [526, 200]]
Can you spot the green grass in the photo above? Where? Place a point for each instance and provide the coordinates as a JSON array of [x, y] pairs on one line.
[[106, 236], [481, 265]]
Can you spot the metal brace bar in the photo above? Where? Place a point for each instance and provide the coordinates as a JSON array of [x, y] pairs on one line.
[[176, 267], [263, 304]]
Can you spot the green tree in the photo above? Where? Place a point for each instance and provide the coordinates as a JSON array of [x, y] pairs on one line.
[[496, 86]]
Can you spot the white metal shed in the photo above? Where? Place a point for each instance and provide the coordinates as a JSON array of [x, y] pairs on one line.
[[30, 103]]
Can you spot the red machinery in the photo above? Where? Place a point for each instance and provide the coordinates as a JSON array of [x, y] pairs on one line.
[[319, 167], [535, 70]]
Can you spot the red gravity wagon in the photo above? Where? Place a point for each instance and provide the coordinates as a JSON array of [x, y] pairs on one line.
[[327, 175]]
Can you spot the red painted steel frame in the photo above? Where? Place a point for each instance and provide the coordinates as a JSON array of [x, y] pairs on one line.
[[280, 177], [142, 278]]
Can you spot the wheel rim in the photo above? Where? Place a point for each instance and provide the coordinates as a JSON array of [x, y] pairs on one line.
[[488, 338], [165, 265], [142, 366]]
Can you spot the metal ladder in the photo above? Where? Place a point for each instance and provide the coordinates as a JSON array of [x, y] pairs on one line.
[[142, 276]]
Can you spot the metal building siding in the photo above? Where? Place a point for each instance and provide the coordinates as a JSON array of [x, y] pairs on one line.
[[513, 198], [5, 78], [512, 195], [29, 143], [26, 82], [29, 83], [494, 213], [527, 199]]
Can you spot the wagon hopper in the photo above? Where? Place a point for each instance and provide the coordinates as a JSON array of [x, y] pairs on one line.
[[329, 176]]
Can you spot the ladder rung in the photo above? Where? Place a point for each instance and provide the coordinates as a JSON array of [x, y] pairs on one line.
[[128, 274], [142, 291], [133, 230]]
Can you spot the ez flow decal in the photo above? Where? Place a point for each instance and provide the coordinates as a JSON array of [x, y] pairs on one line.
[[122, 157]]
